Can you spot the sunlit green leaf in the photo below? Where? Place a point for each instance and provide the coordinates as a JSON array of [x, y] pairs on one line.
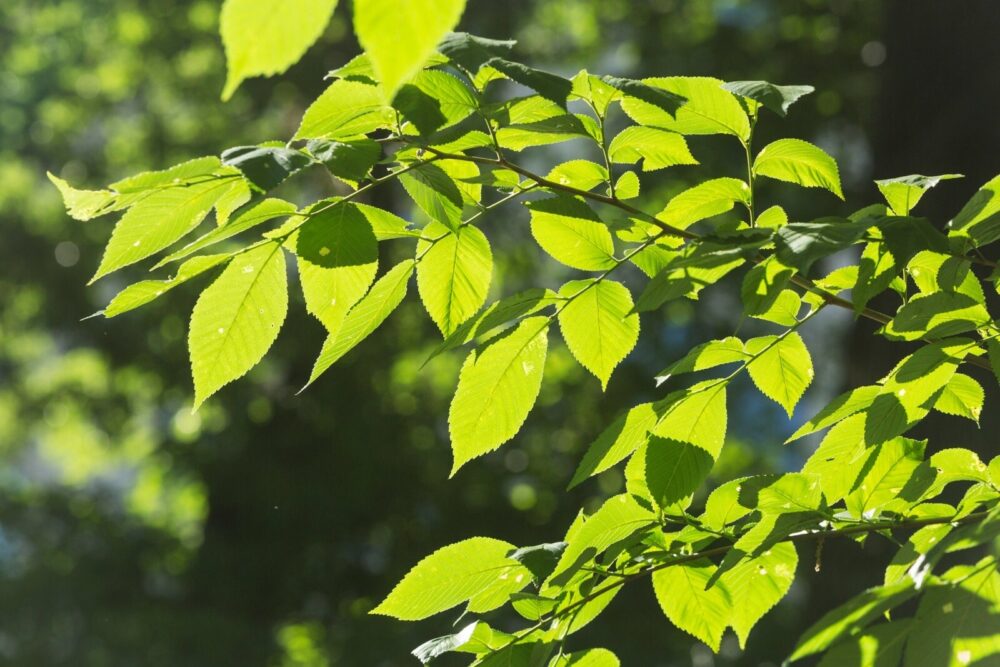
[[366, 316], [266, 37], [345, 110], [904, 192], [686, 599], [400, 37], [656, 148], [453, 274], [757, 584], [448, 577], [237, 318], [598, 325], [782, 369], [497, 388], [708, 110], [338, 260], [571, 232], [800, 162]]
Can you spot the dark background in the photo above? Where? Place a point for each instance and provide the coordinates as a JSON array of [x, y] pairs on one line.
[[261, 530]]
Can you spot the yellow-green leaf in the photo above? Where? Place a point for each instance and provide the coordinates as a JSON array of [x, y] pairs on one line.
[[799, 162], [783, 368], [453, 274], [237, 319], [568, 230], [450, 576], [399, 36], [366, 316], [266, 37], [598, 325], [338, 259], [687, 600], [497, 388]]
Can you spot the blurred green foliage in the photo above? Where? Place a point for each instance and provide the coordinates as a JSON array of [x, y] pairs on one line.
[[260, 530]]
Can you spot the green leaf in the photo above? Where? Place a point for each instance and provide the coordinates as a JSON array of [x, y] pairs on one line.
[[497, 314], [618, 518], [435, 193], [909, 391], [497, 387], [880, 646], [448, 577], [477, 637], [916, 549], [158, 220], [569, 231], [653, 95], [782, 369], [235, 196], [83, 204], [979, 219], [598, 324], [350, 160], [696, 415], [657, 149], [627, 186], [849, 403], [774, 97], [141, 293], [838, 459], [904, 237], [617, 441], [851, 617], [938, 272], [708, 110], [265, 166], [904, 192], [472, 52], [594, 657], [674, 469], [267, 37], [799, 162], [434, 99], [705, 200], [535, 121], [400, 37], [791, 492], [958, 620], [386, 225], [338, 260], [681, 592], [962, 397], [763, 285], [579, 174], [596, 92], [248, 218], [757, 584], [937, 315], [885, 475], [723, 507], [772, 218], [179, 175], [366, 316], [959, 465], [707, 355], [688, 437], [551, 87], [800, 244], [237, 318], [345, 110], [453, 274]]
